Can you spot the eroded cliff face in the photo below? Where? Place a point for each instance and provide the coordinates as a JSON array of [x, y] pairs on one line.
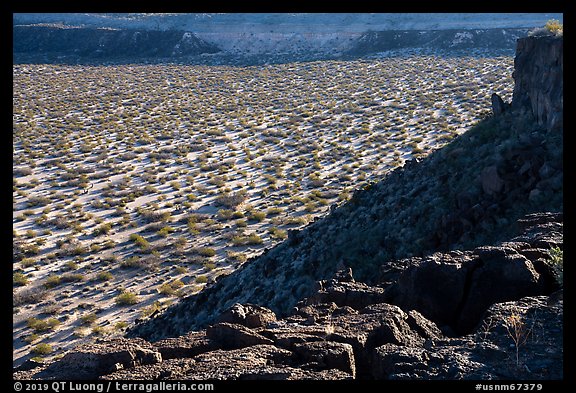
[[65, 44], [538, 79]]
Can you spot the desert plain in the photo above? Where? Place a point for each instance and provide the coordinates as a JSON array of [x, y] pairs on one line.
[[134, 185]]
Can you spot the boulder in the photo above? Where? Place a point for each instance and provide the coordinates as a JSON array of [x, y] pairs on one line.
[[238, 363], [491, 181], [498, 105], [190, 345], [231, 336], [249, 315], [325, 355]]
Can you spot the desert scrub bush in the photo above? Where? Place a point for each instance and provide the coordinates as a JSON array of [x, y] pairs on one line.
[[88, 319], [170, 288], [257, 216], [277, 233], [201, 279], [19, 279], [42, 325], [206, 252], [52, 281], [37, 201], [557, 261], [165, 231], [30, 296], [41, 349], [27, 262], [121, 325], [231, 200], [104, 276], [553, 26], [140, 241], [102, 229], [72, 277], [127, 299]]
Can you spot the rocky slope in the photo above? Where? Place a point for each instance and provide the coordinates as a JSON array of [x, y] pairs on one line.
[[467, 194], [350, 330]]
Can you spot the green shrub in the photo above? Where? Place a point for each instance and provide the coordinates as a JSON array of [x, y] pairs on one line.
[[165, 231], [557, 260], [52, 281], [41, 349], [127, 299], [140, 241], [206, 252], [277, 233], [554, 26], [254, 239], [19, 279], [170, 288], [88, 319], [42, 325], [201, 279], [104, 276], [257, 216]]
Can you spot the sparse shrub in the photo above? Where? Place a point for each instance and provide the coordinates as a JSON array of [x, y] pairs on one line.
[[30, 296], [42, 325], [52, 281], [201, 279], [206, 251], [42, 349], [103, 229], [140, 241], [19, 279], [257, 216], [121, 325], [127, 299], [88, 319], [165, 231], [554, 26], [557, 260], [72, 277], [232, 200], [170, 288], [104, 276], [277, 233]]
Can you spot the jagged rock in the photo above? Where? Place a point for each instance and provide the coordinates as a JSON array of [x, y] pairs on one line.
[[491, 181], [538, 79], [238, 363], [347, 293], [498, 105], [286, 373], [91, 361], [376, 325], [231, 336], [425, 328], [322, 355], [186, 346], [288, 338], [497, 279], [435, 287], [168, 369], [249, 315], [490, 352]]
